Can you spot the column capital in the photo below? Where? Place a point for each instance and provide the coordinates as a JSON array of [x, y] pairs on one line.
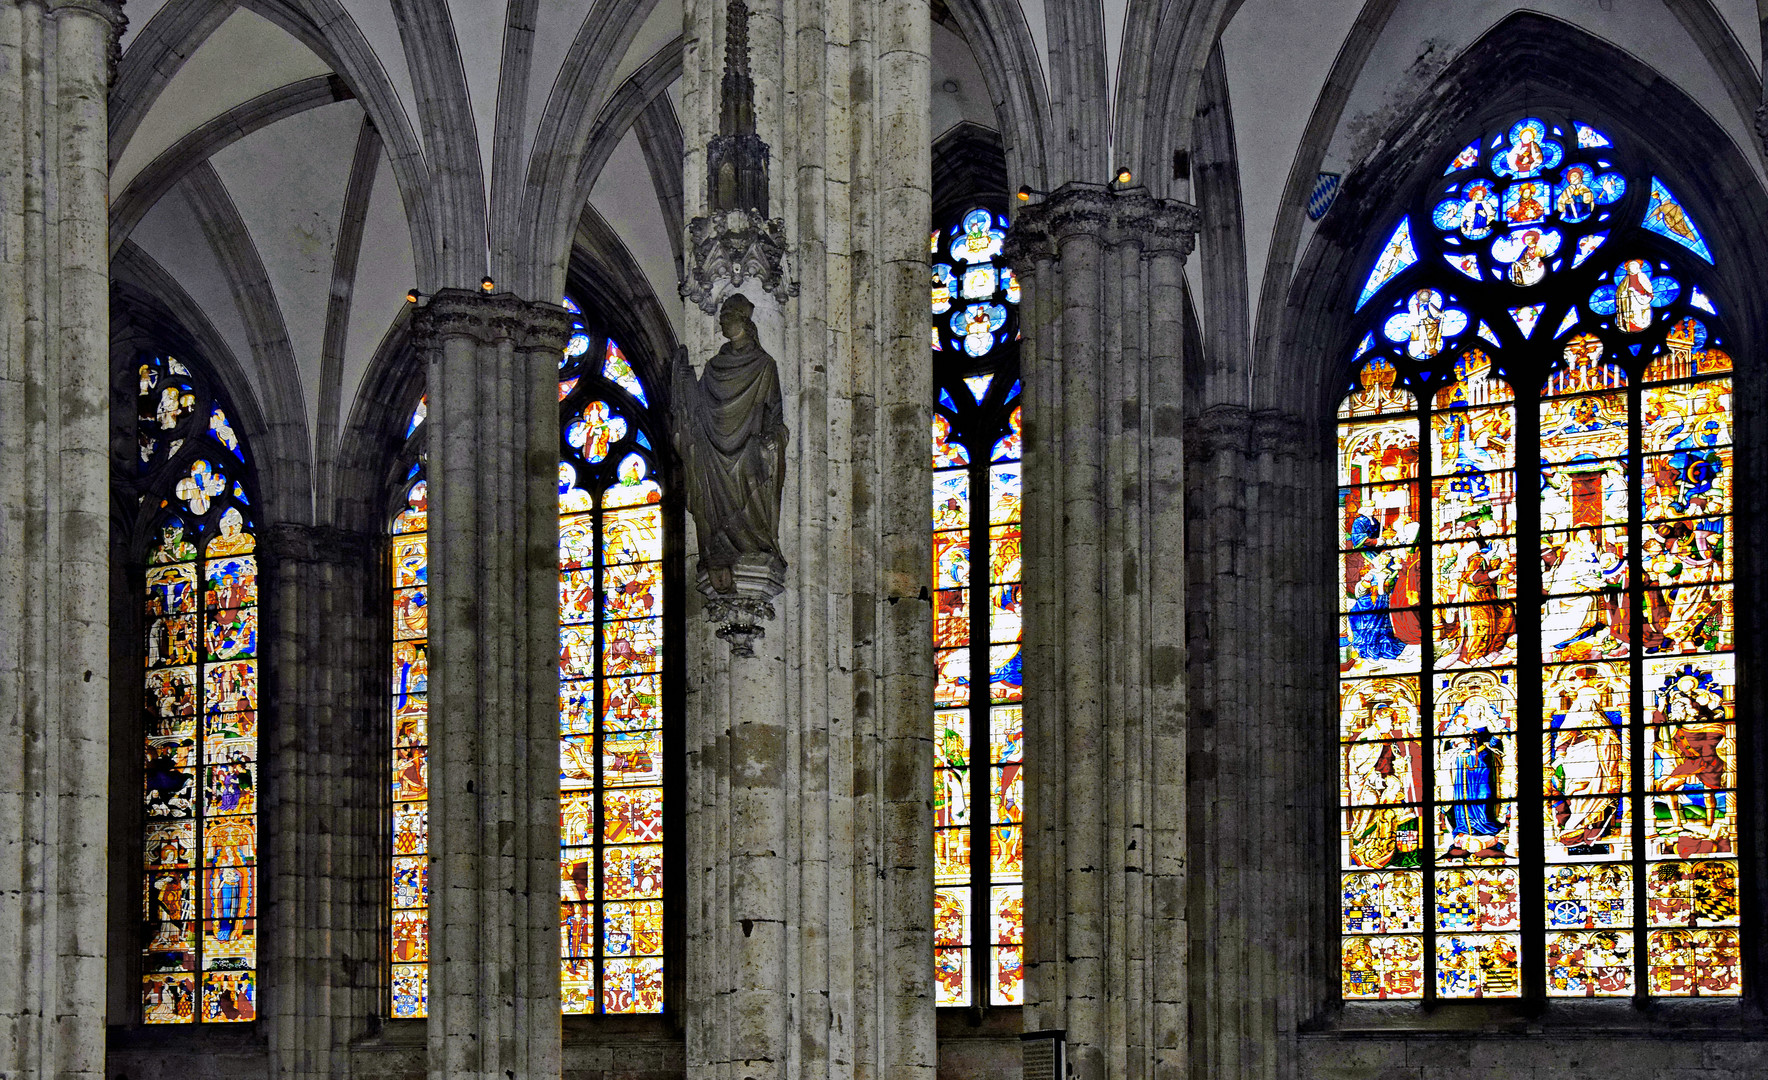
[[1133, 216], [488, 319], [1231, 428]]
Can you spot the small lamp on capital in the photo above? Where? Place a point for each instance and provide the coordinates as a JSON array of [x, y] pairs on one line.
[[412, 296], [1123, 177], [1026, 191], [487, 285]]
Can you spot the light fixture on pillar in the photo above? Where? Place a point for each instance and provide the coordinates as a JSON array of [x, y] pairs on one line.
[[1122, 177], [412, 296], [486, 285], [1026, 191]]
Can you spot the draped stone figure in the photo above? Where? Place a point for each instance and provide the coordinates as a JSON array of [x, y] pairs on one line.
[[731, 434]]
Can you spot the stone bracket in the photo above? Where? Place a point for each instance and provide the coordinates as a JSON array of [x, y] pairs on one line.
[[739, 613], [730, 247]]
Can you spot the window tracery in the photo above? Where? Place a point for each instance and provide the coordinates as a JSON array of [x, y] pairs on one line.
[[200, 779], [979, 782], [1578, 627]]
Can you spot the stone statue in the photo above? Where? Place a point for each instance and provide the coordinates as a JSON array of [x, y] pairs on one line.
[[731, 434]]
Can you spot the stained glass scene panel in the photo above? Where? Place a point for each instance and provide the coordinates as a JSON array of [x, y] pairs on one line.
[[409, 940], [1613, 581], [200, 893]]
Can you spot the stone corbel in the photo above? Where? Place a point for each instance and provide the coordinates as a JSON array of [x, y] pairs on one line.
[[730, 247], [738, 614]]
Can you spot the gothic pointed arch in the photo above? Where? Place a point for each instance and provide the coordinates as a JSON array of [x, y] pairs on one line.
[[1544, 309], [978, 720], [185, 492]]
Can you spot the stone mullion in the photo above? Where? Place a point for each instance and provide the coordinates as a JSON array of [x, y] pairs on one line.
[[55, 675], [1164, 605], [493, 421]]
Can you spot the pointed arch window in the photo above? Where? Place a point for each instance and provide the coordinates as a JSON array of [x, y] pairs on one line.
[[613, 587], [193, 485], [1537, 743], [978, 724], [612, 656]]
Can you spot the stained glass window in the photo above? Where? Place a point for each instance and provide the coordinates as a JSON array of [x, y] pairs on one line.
[[1584, 630], [978, 735], [409, 940], [611, 698], [611, 695], [200, 777]]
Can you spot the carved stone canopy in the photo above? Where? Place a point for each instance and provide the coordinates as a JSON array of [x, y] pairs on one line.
[[727, 249]]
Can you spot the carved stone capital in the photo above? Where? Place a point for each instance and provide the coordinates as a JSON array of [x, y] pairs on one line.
[[1115, 218], [109, 11], [730, 248], [488, 319], [1218, 429], [1279, 433], [739, 613]]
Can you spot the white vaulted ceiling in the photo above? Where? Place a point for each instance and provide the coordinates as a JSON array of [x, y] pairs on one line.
[[234, 122]]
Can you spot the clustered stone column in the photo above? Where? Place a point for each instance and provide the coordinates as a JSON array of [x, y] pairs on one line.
[[55, 58], [1105, 672], [493, 683], [324, 885], [809, 941], [1257, 736]]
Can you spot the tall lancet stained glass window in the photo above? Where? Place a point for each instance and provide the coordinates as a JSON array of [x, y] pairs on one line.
[[1536, 725], [199, 957], [978, 726], [409, 938], [611, 695]]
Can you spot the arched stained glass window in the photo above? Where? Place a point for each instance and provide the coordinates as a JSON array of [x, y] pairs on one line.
[[410, 897], [612, 636], [978, 733], [611, 695], [1537, 740], [200, 780]]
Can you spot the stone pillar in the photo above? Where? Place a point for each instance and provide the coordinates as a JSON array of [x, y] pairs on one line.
[[494, 613], [1259, 735], [810, 784], [1105, 688], [55, 60], [323, 794]]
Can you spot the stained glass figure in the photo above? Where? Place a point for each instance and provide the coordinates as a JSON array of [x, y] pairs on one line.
[[613, 591], [1665, 216], [1396, 256], [1585, 631], [200, 780], [978, 726]]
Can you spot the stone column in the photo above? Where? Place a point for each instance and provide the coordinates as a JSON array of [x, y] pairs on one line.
[[810, 785], [1259, 735], [494, 757], [323, 793], [1105, 693], [55, 60]]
